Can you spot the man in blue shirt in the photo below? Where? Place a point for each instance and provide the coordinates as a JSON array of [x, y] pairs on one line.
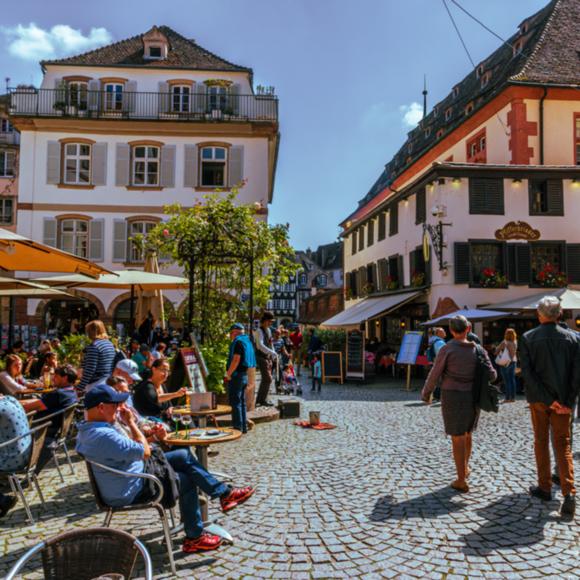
[[241, 358], [98, 440], [64, 396]]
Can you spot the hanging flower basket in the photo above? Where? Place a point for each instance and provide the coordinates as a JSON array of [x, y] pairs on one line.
[[550, 277], [417, 279], [491, 278]]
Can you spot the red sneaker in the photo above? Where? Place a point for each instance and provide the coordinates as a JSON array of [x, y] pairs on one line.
[[237, 496], [204, 543]]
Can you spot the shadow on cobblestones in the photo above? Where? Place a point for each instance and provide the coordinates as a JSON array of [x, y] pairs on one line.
[[431, 505], [512, 521]]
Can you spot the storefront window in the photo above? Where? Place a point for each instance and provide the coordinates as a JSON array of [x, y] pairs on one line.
[[544, 256]]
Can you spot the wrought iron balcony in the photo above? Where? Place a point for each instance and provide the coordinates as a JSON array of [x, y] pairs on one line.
[[31, 102]]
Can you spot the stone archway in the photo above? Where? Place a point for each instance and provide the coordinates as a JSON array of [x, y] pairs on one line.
[[41, 307]]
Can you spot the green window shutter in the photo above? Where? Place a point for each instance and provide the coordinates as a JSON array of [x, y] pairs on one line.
[[370, 233], [394, 219], [420, 206], [462, 263], [523, 264], [486, 196], [573, 263], [555, 192], [400, 271], [361, 238], [353, 246]]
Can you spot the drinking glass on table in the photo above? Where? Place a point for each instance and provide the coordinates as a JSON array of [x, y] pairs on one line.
[[186, 420]]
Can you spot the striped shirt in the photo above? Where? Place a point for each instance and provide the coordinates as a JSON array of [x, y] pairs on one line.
[[98, 362]]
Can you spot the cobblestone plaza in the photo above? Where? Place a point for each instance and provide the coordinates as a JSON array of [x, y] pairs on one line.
[[370, 499]]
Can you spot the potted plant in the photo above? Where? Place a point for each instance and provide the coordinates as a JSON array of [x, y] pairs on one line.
[[491, 278], [551, 277], [392, 283], [368, 288], [417, 279]]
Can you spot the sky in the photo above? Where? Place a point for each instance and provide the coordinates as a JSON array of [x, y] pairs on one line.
[[349, 75]]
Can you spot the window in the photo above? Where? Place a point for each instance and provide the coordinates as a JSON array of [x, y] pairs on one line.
[[485, 258], [486, 196], [455, 92], [213, 166], [448, 113], [353, 247], [370, 233], [476, 148], [77, 94], [154, 52], [77, 163], [302, 280], [218, 98], [74, 237], [427, 132], [7, 163], [440, 133], [468, 108], [382, 226], [417, 267], [321, 281], [6, 126], [546, 197], [577, 139], [113, 97], [485, 79], [135, 250], [546, 255], [420, 206], [145, 165], [6, 211], [180, 98]]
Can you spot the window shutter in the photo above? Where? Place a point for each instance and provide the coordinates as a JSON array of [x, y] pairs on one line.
[[400, 271], [122, 164], [236, 165], [353, 243], [394, 219], [512, 271], [99, 163], [200, 98], [555, 197], [382, 226], [462, 263], [119, 240], [167, 178], [412, 263], [190, 172], [486, 196], [523, 264], [49, 232], [96, 240], [94, 96], [370, 233], [420, 206], [234, 99], [573, 263], [361, 238], [163, 97], [129, 96], [383, 273], [53, 163]]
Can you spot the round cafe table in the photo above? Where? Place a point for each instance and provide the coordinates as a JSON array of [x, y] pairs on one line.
[[202, 415], [201, 445]]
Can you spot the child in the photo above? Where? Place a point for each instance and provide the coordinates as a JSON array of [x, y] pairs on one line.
[[316, 373], [291, 384]]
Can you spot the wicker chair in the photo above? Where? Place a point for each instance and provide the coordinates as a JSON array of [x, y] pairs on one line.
[[61, 435], [87, 554], [154, 503], [27, 473]]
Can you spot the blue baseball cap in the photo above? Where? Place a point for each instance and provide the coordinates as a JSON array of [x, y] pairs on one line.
[[237, 326], [103, 393]]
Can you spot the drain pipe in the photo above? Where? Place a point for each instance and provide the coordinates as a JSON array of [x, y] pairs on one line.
[[541, 128]]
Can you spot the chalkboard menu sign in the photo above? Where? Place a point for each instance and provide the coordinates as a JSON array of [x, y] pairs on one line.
[[187, 371], [331, 366], [355, 354], [410, 348]]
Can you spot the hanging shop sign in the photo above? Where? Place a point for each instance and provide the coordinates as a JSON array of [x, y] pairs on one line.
[[517, 231]]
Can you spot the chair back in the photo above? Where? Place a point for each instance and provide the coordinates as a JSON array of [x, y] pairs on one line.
[[38, 437], [67, 421], [90, 553], [95, 487]]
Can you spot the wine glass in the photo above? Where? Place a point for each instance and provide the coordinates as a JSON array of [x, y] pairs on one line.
[[186, 420]]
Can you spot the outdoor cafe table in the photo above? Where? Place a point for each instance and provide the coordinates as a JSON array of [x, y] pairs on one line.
[[203, 414], [201, 445]]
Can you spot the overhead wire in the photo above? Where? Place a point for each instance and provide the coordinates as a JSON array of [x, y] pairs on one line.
[[458, 33]]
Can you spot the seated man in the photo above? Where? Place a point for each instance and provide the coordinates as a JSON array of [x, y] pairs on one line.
[[98, 440], [13, 423], [64, 396]]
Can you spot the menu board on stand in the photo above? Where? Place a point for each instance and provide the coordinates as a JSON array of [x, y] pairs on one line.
[[355, 355], [409, 351], [187, 369]]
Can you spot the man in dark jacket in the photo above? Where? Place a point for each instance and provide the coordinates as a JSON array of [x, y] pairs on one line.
[[550, 361]]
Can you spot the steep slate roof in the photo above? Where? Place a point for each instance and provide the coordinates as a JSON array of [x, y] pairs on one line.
[[550, 54], [183, 53]]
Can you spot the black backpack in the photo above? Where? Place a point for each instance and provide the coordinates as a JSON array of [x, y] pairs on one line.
[[158, 466], [485, 394]]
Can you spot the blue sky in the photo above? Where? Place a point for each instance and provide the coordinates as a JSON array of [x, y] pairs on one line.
[[347, 74]]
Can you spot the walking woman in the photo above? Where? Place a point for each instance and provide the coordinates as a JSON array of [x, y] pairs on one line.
[[456, 365], [508, 372], [99, 355]]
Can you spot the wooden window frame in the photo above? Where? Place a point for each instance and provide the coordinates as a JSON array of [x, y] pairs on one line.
[[75, 218], [6, 153], [79, 158], [141, 219], [172, 95], [549, 212], [201, 160], [147, 146], [552, 243], [12, 200], [503, 255], [480, 154]]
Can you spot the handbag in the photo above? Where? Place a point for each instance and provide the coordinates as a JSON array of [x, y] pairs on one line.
[[485, 395], [503, 359]]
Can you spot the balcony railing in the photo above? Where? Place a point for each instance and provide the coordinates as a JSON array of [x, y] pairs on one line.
[[137, 105]]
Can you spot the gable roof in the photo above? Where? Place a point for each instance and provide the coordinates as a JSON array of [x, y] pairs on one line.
[[183, 53], [549, 54]]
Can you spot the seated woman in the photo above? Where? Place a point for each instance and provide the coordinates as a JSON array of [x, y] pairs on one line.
[[150, 398], [50, 364], [11, 380]]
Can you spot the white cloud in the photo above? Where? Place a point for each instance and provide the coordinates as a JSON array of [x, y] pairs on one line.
[[412, 114], [30, 42]]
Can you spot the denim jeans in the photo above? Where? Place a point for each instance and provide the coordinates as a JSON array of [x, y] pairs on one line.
[[237, 399], [192, 476], [508, 375]]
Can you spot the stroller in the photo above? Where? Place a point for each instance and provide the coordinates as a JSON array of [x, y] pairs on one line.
[[290, 384]]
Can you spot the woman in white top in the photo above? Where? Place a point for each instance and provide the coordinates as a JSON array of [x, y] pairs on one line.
[[11, 380], [508, 373]]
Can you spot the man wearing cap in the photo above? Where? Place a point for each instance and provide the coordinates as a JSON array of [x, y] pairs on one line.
[[265, 355], [99, 441], [241, 358]]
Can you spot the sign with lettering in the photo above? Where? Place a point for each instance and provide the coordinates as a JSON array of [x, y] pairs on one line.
[[410, 348], [517, 231]]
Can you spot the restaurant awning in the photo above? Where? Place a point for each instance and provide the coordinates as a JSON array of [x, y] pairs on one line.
[[472, 314], [369, 308], [569, 300]]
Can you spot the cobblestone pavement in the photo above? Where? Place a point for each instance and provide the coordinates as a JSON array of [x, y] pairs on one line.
[[369, 499]]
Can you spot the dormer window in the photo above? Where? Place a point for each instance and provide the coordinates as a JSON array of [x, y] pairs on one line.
[[435, 111], [448, 113], [480, 71], [427, 132], [455, 92], [154, 52], [485, 79], [468, 108], [440, 133], [517, 47], [155, 45]]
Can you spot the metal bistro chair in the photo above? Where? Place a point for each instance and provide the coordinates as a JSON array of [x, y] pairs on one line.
[[28, 472], [61, 435], [154, 503], [87, 554]]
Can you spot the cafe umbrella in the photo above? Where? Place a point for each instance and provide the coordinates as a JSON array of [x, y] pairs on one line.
[[569, 300], [150, 300]]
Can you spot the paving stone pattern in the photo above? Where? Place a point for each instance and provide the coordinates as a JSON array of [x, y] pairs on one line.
[[369, 499]]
